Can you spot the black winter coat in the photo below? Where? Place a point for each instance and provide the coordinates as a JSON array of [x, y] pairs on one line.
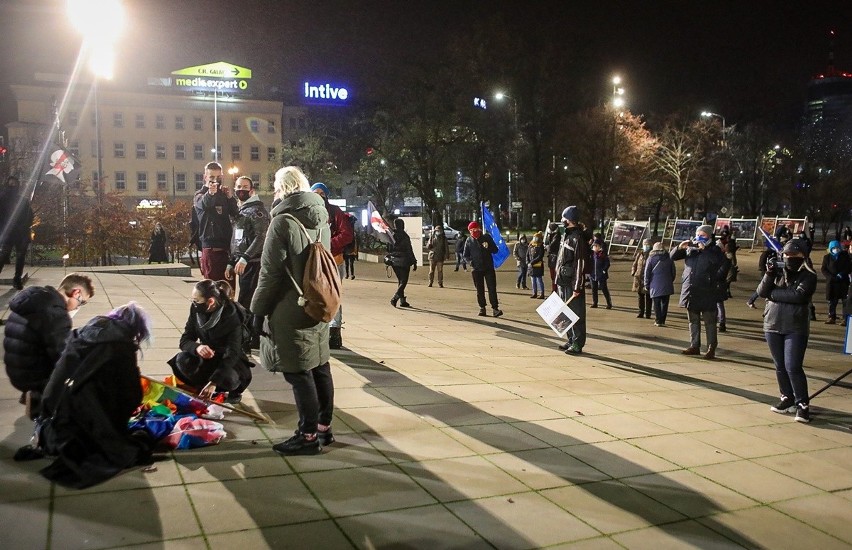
[[479, 253], [836, 287], [788, 296], [36, 331], [214, 218], [401, 250], [16, 216], [704, 277], [84, 421]]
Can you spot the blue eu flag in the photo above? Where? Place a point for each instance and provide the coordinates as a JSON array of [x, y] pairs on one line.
[[491, 228]]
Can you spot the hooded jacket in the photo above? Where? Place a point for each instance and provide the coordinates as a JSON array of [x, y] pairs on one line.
[[659, 274], [788, 296], [836, 272], [704, 275], [249, 231], [36, 331], [479, 253], [214, 218], [296, 342]]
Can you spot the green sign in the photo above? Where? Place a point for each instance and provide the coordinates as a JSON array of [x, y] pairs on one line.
[[217, 76], [220, 69]]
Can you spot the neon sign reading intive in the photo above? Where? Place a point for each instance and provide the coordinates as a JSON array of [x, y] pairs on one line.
[[325, 91]]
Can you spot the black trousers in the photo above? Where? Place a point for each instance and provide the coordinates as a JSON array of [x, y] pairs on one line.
[[402, 274], [20, 248], [481, 279], [577, 334], [314, 394], [248, 284], [645, 307]]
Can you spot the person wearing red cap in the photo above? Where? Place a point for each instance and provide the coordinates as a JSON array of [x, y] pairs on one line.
[[479, 252]]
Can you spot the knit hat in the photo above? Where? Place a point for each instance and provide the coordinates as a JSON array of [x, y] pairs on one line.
[[658, 245], [539, 236], [321, 187], [794, 246], [705, 229], [472, 225], [571, 213]]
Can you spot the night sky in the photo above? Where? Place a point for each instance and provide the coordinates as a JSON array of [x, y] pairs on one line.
[[744, 59]]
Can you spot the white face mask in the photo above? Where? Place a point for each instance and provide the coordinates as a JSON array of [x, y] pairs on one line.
[[73, 312]]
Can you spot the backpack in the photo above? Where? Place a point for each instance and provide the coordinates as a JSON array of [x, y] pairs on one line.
[[319, 293]]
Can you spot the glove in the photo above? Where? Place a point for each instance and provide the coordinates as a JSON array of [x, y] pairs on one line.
[[415, 267], [257, 325]]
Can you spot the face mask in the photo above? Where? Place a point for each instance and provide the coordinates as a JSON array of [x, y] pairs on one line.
[[835, 252], [794, 264], [243, 194], [646, 248], [199, 308], [702, 239], [475, 233], [72, 313]]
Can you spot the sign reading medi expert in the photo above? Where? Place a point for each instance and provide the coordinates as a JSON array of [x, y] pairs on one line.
[[214, 76]]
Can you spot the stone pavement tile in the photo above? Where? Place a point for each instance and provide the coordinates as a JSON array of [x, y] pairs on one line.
[[561, 432], [462, 478], [683, 450], [224, 506], [422, 527], [611, 507], [634, 384], [122, 518], [546, 468], [740, 443], [679, 399], [517, 409], [578, 406], [679, 420], [630, 402], [229, 460], [763, 527], [624, 425], [795, 436], [365, 490], [490, 438], [688, 493], [586, 387], [472, 393], [841, 456], [454, 414], [415, 395], [358, 397], [535, 390], [675, 536], [412, 445], [620, 459], [524, 520], [738, 416], [449, 377], [810, 469], [536, 372], [190, 543], [708, 395], [497, 375], [755, 481], [385, 419], [419, 364], [349, 450], [25, 524], [313, 534], [165, 475], [599, 543], [828, 513], [21, 481]]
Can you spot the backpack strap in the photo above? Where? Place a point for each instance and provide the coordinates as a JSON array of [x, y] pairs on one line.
[[304, 229]]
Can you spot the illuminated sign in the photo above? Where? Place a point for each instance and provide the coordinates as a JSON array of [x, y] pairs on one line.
[[213, 77], [325, 93]]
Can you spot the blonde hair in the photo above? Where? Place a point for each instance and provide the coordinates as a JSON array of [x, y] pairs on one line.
[[290, 179]]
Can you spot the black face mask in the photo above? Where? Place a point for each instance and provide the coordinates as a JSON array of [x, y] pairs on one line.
[[198, 308], [794, 264], [243, 194]]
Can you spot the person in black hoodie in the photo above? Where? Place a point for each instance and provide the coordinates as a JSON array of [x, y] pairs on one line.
[[786, 325], [88, 401], [38, 325], [212, 342], [402, 259], [479, 251], [214, 206], [16, 220]]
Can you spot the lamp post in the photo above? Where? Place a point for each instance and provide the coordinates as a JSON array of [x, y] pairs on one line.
[[513, 171], [708, 114], [233, 171], [617, 93]]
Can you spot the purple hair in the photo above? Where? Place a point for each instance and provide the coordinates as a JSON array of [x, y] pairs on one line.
[[135, 319]]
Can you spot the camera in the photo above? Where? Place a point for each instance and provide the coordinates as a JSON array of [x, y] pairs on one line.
[[776, 264]]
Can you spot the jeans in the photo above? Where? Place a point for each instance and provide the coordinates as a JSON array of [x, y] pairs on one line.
[[349, 264], [314, 394], [788, 354], [20, 256], [644, 304], [661, 308], [522, 274], [602, 285], [695, 318], [480, 280], [337, 322], [538, 285], [402, 274]]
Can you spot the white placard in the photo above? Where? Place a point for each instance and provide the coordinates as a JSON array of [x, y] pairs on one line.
[[557, 314], [847, 347]]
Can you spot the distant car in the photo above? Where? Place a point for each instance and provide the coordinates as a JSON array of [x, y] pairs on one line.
[[451, 234]]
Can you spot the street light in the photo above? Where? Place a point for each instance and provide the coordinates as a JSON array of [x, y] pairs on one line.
[[617, 93], [500, 96], [233, 170]]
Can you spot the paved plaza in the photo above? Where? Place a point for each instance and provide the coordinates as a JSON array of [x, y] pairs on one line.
[[457, 431]]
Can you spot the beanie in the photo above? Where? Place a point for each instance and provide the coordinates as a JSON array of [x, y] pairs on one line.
[[571, 213], [658, 245], [320, 187], [796, 246], [472, 225], [705, 229]]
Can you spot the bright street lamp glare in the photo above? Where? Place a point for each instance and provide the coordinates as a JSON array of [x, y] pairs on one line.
[[98, 20], [101, 61], [616, 80], [618, 102], [499, 95]]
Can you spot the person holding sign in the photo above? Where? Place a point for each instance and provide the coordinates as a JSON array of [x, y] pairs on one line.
[[571, 278]]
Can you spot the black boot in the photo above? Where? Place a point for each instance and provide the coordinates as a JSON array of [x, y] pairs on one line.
[[335, 339]]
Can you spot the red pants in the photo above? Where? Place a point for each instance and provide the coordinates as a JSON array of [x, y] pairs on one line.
[[213, 263]]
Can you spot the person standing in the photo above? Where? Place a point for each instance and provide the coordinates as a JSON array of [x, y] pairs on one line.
[[703, 287], [403, 259], [439, 252], [728, 244], [341, 235], [571, 277], [659, 282], [460, 242], [292, 342], [836, 267], [479, 252], [599, 274], [214, 206], [350, 251], [247, 245], [788, 291], [637, 270], [157, 252], [519, 251], [15, 228], [535, 260]]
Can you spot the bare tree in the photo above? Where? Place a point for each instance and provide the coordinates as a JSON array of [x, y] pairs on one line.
[[680, 160]]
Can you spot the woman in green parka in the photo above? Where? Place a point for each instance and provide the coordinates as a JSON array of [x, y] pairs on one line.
[[294, 343]]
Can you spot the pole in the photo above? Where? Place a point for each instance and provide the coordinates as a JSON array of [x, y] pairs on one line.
[[99, 190], [215, 126], [228, 406]]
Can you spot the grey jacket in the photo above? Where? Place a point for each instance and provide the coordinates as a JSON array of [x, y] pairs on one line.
[[297, 342], [788, 296], [249, 231]]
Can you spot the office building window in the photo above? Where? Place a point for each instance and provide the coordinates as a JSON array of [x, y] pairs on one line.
[[270, 126], [118, 120], [235, 125], [140, 120], [161, 151], [180, 181], [179, 123], [270, 154], [198, 151], [120, 181], [255, 179], [196, 123], [270, 181], [73, 119], [118, 150], [199, 180], [160, 122], [74, 148], [161, 181], [236, 152], [141, 151], [254, 152], [180, 151], [141, 181], [253, 126]]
